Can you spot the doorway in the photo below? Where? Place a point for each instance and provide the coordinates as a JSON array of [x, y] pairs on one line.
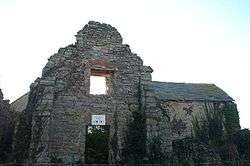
[[97, 144]]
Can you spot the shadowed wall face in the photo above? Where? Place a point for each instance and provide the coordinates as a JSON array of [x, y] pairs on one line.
[[66, 103], [7, 127]]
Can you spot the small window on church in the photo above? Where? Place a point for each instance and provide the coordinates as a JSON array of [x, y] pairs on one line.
[[100, 82], [98, 85]]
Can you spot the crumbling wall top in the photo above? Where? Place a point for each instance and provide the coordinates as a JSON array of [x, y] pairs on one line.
[[98, 34]]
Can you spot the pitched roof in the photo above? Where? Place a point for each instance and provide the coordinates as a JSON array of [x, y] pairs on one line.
[[20, 104], [187, 91]]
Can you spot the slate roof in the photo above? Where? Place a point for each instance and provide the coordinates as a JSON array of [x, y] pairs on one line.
[[187, 91], [20, 104]]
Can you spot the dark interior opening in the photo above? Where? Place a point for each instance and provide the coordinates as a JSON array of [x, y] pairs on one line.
[[97, 144]]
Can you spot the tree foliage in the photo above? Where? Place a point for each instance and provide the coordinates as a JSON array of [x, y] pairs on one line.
[[209, 127], [242, 140], [231, 115], [135, 149], [216, 129], [156, 155]]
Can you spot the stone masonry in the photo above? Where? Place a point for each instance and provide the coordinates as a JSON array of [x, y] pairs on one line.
[[7, 123], [62, 105]]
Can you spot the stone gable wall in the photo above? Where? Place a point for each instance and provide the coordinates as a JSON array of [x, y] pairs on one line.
[[65, 107]]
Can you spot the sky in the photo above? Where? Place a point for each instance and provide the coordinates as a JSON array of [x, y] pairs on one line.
[[195, 41]]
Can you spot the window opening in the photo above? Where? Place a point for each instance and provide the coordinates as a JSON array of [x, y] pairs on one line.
[[100, 82], [98, 85]]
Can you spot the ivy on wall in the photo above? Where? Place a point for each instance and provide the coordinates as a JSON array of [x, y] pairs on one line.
[[231, 114], [216, 128], [177, 125]]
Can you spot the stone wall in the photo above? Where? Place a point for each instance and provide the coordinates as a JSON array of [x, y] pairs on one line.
[[64, 110], [181, 114], [7, 125], [62, 107], [4, 114], [172, 120]]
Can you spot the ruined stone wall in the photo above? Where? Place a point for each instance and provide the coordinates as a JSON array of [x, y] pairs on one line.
[[4, 115], [65, 107], [62, 106], [7, 125]]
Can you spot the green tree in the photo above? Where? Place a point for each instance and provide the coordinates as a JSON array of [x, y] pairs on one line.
[[136, 139], [231, 114], [216, 128], [209, 127], [156, 155], [242, 140], [232, 125]]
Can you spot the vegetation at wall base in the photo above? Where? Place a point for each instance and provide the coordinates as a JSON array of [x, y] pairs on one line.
[[219, 129], [242, 140], [136, 139], [22, 138], [156, 156]]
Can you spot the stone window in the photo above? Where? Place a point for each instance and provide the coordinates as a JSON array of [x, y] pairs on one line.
[[100, 83]]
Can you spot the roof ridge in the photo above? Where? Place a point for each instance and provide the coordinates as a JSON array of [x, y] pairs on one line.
[[184, 83]]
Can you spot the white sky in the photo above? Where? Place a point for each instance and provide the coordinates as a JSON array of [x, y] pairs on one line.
[[183, 41], [97, 85]]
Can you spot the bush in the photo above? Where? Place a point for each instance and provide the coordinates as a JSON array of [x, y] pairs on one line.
[[136, 139], [55, 160], [187, 163], [155, 153], [209, 129], [242, 140], [216, 129]]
